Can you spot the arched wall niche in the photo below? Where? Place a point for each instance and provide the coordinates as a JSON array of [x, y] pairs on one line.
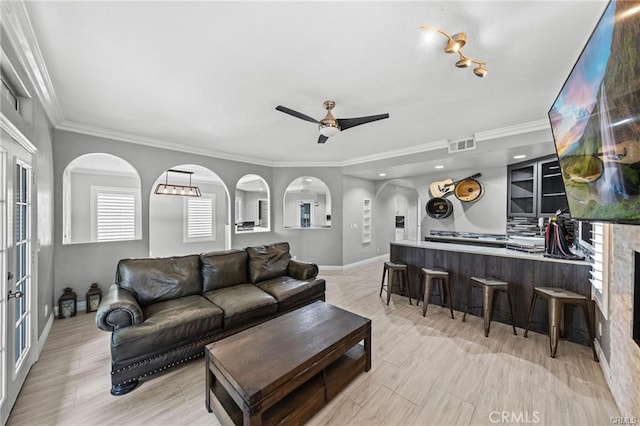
[[183, 224], [101, 200], [252, 209], [307, 204], [396, 213]]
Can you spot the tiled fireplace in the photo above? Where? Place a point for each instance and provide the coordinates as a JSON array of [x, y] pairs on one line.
[[624, 311]]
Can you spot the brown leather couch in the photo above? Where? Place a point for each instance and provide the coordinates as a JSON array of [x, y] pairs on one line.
[[163, 311]]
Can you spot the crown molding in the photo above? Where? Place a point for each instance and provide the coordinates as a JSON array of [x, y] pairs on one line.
[[416, 149], [16, 134], [517, 129], [86, 129], [22, 38], [100, 132]]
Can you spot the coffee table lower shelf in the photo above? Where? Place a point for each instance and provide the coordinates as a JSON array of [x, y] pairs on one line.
[[306, 400]]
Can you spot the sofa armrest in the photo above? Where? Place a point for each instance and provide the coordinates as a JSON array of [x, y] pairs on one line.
[[302, 270], [118, 309]]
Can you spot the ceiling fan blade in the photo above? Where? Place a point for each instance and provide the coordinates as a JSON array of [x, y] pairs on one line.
[[296, 114], [322, 139], [347, 123]]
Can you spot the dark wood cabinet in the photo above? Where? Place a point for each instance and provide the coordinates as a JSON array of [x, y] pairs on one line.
[[551, 188], [535, 188], [522, 189]]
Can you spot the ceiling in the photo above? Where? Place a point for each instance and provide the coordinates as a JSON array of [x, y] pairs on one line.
[[206, 77]]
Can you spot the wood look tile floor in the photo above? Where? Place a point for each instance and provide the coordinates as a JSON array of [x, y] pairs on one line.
[[425, 371]]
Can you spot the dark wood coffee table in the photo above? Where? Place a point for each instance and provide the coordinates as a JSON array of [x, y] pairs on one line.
[[288, 368]]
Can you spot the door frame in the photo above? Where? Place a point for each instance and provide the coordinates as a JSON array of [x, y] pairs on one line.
[[17, 140]]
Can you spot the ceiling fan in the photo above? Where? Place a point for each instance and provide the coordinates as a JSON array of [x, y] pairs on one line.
[[329, 125]]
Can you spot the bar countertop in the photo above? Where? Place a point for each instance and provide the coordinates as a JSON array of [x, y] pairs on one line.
[[488, 251]]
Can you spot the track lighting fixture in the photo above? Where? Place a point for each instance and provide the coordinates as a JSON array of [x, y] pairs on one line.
[[455, 43]]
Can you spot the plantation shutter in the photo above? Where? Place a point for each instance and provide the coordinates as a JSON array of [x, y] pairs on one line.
[[599, 258], [200, 218], [115, 216]]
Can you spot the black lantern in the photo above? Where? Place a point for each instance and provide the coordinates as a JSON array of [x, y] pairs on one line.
[[67, 304], [94, 296]]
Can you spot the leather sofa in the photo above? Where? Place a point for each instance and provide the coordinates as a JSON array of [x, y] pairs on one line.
[[163, 311]]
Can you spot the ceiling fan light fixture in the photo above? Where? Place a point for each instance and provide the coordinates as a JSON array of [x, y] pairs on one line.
[[329, 129], [329, 125]]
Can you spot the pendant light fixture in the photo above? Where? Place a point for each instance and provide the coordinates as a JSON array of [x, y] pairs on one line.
[[167, 188], [455, 43]]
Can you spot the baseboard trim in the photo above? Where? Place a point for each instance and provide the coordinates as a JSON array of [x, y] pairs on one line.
[[45, 334], [354, 264]]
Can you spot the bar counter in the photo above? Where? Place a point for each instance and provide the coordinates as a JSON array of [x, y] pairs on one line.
[[521, 270]]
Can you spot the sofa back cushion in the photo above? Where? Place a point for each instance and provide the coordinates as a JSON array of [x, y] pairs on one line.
[[223, 269], [154, 280], [268, 261]]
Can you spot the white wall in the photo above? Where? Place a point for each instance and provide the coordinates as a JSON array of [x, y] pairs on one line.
[[487, 215], [355, 191]]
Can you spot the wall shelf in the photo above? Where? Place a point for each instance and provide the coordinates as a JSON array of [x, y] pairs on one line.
[[366, 221]]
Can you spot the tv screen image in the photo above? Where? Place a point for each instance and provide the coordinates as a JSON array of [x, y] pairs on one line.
[[595, 121]]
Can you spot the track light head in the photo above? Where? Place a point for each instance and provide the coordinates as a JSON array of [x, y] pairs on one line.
[[463, 62], [455, 43], [480, 71]]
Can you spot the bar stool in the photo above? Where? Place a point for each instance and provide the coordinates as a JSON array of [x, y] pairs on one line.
[[489, 286], [428, 276], [557, 298], [396, 270]]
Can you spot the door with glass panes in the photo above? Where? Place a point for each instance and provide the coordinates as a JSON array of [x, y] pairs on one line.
[[17, 300]]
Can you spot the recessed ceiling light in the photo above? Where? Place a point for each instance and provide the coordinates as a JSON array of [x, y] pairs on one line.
[[439, 166], [382, 174], [517, 157]]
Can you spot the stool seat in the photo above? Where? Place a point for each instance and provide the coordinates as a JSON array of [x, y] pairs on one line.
[[557, 298], [489, 286], [435, 272], [490, 281], [395, 270], [559, 293], [391, 265], [443, 278]]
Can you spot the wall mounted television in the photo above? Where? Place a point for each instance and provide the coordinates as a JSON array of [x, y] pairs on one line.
[[595, 121]]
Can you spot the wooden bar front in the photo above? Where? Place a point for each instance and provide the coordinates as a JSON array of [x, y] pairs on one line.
[[522, 271]]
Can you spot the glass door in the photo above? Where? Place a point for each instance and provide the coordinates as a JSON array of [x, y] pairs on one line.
[[17, 299]]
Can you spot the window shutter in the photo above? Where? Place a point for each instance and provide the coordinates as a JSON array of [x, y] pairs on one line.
[[200, 218], [115, 216], [599, 259]]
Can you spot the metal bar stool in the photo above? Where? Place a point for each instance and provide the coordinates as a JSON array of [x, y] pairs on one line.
[[489, 286], [428, 276], [557, 298], [395, 270]]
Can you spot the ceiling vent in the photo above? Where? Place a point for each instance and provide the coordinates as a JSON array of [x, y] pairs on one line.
[[462, 145]]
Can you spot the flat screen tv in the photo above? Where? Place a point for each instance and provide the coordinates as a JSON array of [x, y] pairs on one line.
[[595, 121]]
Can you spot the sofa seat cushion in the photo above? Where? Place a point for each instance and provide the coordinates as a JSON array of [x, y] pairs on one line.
[[167, 325], [290, 291], [242, 303]]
